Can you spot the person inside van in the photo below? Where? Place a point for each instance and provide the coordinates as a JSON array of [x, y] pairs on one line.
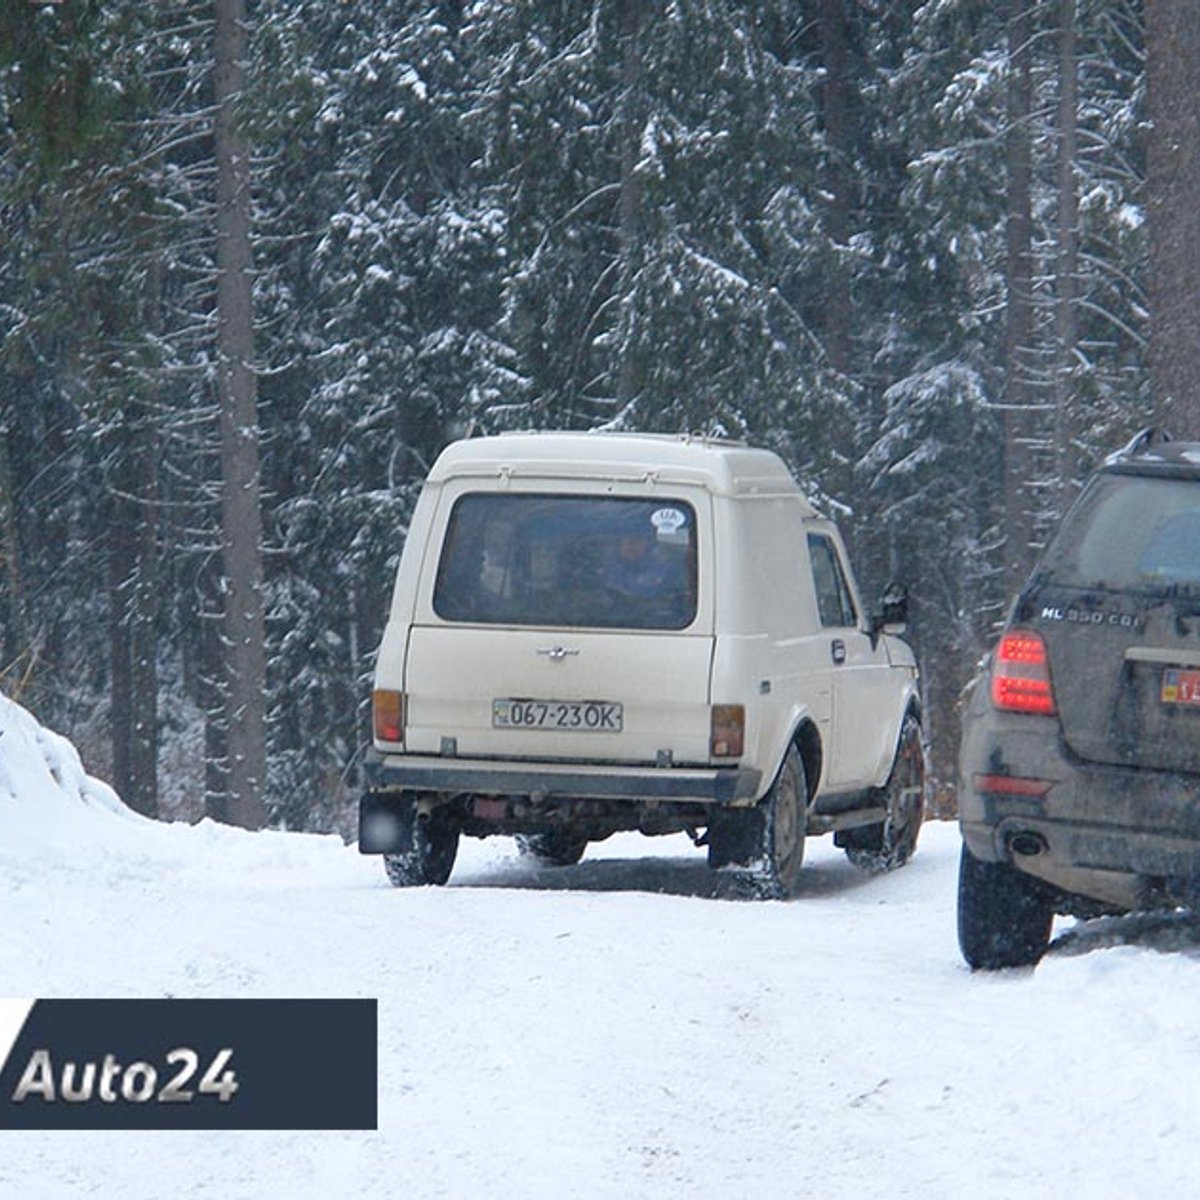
[[639, 567], [646, 580]]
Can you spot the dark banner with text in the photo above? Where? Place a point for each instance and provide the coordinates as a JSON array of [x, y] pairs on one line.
[[188, 1064]]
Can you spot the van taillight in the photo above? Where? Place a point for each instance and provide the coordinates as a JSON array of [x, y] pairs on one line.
[[387, 709], [727, 738], [1021, 675]]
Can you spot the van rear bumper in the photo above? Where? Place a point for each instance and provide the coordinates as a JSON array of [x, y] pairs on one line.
[[415, 773]]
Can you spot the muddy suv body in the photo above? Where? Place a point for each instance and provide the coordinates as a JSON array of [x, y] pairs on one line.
[[602, 632], [1079, 769]]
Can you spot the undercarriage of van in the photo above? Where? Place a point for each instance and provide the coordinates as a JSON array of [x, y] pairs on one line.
[[484, 815], [415, 810]]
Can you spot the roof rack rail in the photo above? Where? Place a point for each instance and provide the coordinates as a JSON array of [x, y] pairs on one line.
[[1141, 441]]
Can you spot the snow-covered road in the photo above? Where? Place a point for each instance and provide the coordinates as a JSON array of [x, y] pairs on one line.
[[626, 1028]]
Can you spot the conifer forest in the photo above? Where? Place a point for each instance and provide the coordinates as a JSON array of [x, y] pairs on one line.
[[262, 259]]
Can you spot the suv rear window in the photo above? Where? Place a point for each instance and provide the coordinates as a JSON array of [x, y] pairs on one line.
[[598, 561], [1130, 532]]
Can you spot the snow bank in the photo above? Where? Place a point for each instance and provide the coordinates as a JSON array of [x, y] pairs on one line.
[[45, 793], [54, 815]]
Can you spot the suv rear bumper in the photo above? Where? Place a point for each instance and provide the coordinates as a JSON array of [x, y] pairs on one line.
[[416, 773], [1127, 837]]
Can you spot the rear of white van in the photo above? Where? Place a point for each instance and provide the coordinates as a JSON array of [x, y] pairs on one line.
[[557, 620]]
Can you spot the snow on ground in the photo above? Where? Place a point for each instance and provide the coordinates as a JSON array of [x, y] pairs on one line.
[[626, 1028]]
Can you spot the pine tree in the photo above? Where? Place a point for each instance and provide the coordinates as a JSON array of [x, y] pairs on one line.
[[1173, 44], [379, 280], [243, 628]]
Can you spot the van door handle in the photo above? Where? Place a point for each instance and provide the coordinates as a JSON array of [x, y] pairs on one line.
[[837, 649]]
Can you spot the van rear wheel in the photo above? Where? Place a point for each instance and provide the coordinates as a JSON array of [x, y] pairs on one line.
[[428, 846], [785, 817]]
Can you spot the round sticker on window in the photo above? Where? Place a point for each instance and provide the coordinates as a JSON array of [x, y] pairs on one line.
[[668, 521]]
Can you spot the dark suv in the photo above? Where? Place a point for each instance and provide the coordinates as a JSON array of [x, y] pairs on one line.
[[1079, 770]]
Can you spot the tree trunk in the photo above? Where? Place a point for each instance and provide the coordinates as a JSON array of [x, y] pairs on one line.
[[143, 620], [835, 95], [13, 640], [629, 375], [244, 654], [133, 609], [210, 692], [121, 568], [1018, 523], [1173, 185], [1066, 269]]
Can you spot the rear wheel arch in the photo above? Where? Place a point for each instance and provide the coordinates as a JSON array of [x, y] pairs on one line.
[[807, 740]]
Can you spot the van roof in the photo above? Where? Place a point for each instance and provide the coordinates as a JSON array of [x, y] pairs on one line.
[[724, 467]]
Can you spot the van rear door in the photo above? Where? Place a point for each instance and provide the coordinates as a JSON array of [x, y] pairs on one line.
[[562, 622]]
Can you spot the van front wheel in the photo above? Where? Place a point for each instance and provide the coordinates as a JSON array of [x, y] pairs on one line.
[[785, 816], [891, 843], [428, 847], [559, 848]]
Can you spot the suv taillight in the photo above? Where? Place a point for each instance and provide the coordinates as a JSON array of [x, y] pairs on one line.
[[387, 708], [1021, 675]]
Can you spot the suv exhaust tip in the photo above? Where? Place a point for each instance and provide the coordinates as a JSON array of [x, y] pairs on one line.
[[1026, 844]]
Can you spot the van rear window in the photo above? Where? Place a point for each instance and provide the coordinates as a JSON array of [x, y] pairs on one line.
[[593, 561]]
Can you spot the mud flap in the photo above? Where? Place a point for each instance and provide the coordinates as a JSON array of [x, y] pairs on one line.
[[735, 837], [383, 822]]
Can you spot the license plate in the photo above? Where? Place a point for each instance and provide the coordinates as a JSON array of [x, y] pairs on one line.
[[1181, 687], [566, 716]]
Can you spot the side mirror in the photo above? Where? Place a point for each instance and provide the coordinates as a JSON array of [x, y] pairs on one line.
[[892, 614]]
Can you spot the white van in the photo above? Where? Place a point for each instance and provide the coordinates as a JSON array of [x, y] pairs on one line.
[[602, 632]]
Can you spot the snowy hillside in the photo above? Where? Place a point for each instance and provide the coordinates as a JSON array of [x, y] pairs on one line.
[[621, 1029]]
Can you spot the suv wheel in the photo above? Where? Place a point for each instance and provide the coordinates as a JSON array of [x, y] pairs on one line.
[[1004, 917], [785, 816], [891, 843], [429, 846], [559, 848]]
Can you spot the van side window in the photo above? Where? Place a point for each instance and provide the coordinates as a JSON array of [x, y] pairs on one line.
[[834, 602]]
